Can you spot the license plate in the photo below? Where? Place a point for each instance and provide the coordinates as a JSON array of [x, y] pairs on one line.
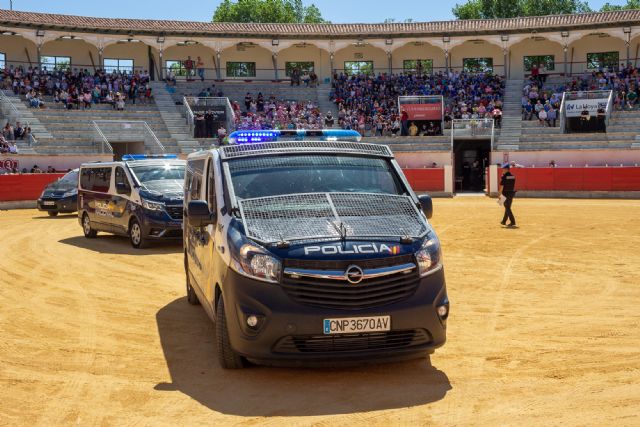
[[354, 325], [49, 203]]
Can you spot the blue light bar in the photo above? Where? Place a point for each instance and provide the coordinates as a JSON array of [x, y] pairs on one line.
[[257, 136], [131, 157]]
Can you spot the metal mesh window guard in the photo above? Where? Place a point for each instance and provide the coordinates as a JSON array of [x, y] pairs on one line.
[[331, 215]]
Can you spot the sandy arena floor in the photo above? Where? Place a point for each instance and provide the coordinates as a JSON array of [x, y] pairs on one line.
[[545, 329]]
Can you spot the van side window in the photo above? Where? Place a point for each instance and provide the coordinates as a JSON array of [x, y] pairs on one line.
[[194, 172], [121, 178], [211, 187], [95, 179]]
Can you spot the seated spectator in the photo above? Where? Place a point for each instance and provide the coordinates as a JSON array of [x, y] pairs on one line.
[[36, 169], [8, 132], [413, 129], [18, 131]]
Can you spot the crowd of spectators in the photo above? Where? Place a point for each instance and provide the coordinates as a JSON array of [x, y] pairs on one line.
[[7, 146], [77, 88], [261, 113], [369, 103], [541, 98]]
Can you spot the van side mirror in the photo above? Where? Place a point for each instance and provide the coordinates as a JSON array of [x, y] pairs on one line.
[[122, 188], [198, 214], [427, 205]]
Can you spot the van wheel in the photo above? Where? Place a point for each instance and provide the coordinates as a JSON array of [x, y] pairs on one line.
[[89, 232], [135, 235], [228, 358], [191, 294], [52, 213]]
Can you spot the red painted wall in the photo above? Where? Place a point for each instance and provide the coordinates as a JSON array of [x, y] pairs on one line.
[[425, 179], [577, 179], [26, 186]]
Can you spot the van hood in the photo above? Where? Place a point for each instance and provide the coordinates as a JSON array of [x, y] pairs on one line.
[[58, 188]]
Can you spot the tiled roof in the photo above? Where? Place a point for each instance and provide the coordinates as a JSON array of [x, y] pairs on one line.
[[539, 23]]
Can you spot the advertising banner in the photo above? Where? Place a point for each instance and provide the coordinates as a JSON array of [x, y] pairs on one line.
[[574, 108], [427, 111]]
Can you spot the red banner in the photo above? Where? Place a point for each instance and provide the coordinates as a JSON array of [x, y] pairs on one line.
[[25, 186], [431, 179], [432, 111]]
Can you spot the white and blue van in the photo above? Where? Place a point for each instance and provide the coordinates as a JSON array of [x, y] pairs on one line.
[[139, 197]]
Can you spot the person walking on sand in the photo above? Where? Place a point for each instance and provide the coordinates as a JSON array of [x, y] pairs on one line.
[[508, 191]]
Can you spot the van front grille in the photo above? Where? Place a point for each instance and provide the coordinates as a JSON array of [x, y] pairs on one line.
[[175, 211], [341, 294], [352, 342]]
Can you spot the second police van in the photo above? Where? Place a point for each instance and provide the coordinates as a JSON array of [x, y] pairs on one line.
[[312, 252], [140, 197]]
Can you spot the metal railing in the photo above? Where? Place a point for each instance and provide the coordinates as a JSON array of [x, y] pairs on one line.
[[114, 131], [197, 102], [473, 129], [585, 95], [99, 138]]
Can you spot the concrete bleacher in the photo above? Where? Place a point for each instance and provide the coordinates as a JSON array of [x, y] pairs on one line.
[[71, 131]]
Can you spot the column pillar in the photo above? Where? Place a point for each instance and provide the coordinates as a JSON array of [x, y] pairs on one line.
[[274, 57], [390, 62]]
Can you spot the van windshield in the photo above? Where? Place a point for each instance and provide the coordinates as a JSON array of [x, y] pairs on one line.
[[291, 174], [70, 178], [159, 177]]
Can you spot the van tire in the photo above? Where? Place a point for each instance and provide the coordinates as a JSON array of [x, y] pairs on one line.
[[89, 232], [53, 213], [228, 358], [192, 297], [135, 235]]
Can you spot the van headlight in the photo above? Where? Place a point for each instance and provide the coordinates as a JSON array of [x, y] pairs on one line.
[[429, 257], [254, 262], [152, 206]]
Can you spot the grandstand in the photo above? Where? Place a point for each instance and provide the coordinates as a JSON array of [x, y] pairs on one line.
[[492, 58]]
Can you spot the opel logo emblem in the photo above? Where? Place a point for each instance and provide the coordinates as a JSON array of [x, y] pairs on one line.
[[354, 274]]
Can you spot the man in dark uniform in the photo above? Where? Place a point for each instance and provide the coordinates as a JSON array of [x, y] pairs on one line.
[[508, 189]]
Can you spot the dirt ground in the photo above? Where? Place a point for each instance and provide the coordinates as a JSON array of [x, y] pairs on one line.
[[544, 329]]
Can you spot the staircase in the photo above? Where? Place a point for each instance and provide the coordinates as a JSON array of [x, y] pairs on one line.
[[173, 119], [325, 104], [26, 117], [511, 129]]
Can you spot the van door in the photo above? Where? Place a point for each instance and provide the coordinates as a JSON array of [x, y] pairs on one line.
[[209, 236], [95, 199], [121, 201], [195, 239]]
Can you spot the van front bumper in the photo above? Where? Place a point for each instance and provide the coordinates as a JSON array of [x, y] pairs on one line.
[[58, 204], [161, 229], [291, 333]]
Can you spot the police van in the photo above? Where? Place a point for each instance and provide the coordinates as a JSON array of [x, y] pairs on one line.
[[140, 197], [60, 196], [310, 252]]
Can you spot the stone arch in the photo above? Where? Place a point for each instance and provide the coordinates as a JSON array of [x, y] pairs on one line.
[[535, 46], [305, 52], [248, 52], [415, 50], [18, 51], [138, 51], [594, 43], [477, 48], [357, 52], [83, 53]]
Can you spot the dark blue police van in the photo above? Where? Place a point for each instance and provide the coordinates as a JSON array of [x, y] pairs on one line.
[[312, 252], [140, 197], [60, 196]]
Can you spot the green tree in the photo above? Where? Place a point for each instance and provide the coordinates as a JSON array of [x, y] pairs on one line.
[[267, 11], [631, 4], [490, 9]]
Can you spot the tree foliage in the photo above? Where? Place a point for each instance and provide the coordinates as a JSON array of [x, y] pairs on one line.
[[631, 4], [489, 9], [267, 11]]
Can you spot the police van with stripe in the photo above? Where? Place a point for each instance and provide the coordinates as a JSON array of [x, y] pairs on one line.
[[140, 197], [312, 252]]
